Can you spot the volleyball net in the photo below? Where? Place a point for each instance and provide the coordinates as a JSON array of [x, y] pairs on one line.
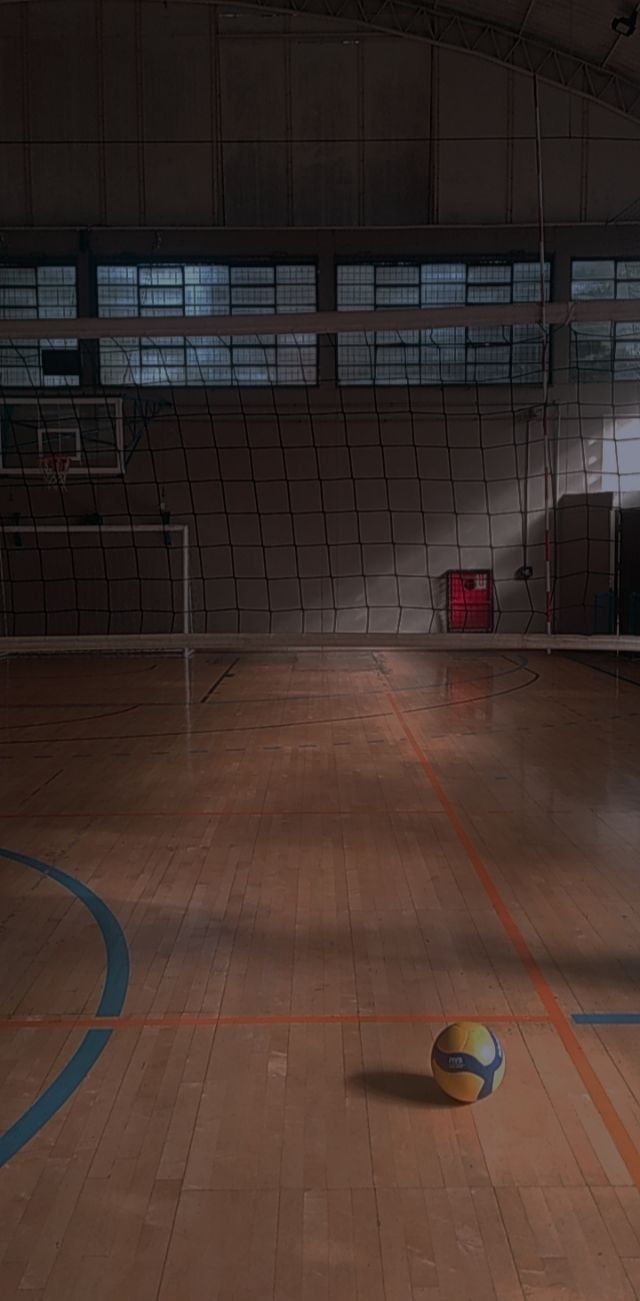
[[460, 474]]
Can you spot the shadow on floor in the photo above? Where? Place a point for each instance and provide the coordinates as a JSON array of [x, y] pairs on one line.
[[405, 1086]]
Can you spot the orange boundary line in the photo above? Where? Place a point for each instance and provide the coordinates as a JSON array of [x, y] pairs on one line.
[[205, 1019], [599, 1096]]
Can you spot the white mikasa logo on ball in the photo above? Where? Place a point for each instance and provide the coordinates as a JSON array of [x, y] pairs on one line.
[[455, 1062]]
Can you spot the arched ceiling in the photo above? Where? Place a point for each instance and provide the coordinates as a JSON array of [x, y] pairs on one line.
[[578, 29], [569, 43]]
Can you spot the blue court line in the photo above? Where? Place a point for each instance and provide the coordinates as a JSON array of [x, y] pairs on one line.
[[606, 1018], [94, 1042]]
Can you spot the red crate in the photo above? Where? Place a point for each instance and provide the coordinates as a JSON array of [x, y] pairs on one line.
[[470, 600]]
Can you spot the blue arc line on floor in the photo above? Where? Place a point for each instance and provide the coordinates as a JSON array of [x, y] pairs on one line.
[[606, 1018], [116, 980]]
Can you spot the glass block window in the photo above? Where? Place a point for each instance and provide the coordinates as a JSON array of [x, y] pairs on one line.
[[460, 355], [606, 349], [35, 294], [194, 289]]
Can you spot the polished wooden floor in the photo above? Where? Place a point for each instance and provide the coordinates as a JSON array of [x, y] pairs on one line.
[[316, 860]]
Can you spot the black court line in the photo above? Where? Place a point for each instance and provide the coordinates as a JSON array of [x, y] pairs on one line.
[[470, 700], [275, 726], [92, 704], [219, 680], [267, 700], [597, 668], [39, 789], [61, 722]]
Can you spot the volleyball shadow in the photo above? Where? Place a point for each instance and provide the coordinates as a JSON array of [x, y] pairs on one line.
[[409, 1087]]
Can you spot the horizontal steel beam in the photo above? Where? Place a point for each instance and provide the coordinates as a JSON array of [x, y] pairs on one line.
[[414, 318]]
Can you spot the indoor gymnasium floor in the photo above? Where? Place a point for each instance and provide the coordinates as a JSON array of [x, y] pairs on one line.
[[240, 896]]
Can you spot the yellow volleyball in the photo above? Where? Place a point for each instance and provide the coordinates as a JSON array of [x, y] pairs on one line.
[[467, 1060]]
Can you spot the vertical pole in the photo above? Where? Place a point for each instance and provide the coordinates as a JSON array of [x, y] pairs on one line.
[[547, 528], [186, 628], [186, 603], [545, 373], [554, 475], [3, 590], [617, 555]]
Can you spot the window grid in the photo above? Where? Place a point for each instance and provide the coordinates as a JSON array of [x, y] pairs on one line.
[[452, 355], [187, 289], [606, 349], [35, 293]]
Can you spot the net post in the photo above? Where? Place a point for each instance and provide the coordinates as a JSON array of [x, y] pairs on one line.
[[545, 365], [3, 588], [186, 604], [547, 527]]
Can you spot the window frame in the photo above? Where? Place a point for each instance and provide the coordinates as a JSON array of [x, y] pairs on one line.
[[590, 372], [44, 384], [421, 340], [249, 263]]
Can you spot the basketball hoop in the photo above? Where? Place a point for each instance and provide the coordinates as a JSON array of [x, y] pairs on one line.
[[55, 470]]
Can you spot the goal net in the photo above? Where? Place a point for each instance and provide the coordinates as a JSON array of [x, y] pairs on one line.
[[450, 472]]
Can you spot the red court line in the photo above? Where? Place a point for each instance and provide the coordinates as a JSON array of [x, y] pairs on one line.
[[210, 1019], [599, 1096]]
